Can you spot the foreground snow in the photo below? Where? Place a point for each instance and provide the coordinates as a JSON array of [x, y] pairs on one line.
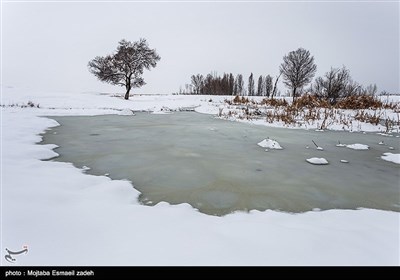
[[93, 220]]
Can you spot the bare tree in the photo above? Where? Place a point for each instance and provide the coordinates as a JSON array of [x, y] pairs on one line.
[[231, 83], [198, 83], [260, 86], [333, 85], [268, 85], [125, 67], [352, 88], [251, 85], [298, 69], [235, 88], [275, 85], [239, 82], [208, 87], [371, 90]]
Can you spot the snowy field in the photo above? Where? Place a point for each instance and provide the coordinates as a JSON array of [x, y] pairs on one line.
[[66, 217]]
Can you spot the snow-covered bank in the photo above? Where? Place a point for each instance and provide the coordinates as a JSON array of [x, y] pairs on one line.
[[66, 217], [61, 103], [309, 113]]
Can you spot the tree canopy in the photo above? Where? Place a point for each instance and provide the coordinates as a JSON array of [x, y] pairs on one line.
[[125, 67], [298, 69]]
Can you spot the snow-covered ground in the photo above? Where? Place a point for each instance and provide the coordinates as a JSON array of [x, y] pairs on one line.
[[66, 217]]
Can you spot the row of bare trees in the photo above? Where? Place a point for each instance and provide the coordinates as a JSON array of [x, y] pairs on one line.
[[228, 84]]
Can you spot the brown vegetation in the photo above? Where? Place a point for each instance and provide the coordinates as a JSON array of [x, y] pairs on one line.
[[310, 109]]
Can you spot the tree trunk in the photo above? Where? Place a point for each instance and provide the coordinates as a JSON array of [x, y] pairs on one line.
[[276, 82], [127, 93], [128, 89], [294, 94]]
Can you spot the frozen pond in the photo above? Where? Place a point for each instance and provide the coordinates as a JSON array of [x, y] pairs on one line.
[[217, 167]]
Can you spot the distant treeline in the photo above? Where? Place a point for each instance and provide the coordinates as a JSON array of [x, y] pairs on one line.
[[334, 85], [228, 84]]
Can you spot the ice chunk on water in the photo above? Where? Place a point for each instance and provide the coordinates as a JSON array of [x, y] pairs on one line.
[[270, 144], [317, 161]]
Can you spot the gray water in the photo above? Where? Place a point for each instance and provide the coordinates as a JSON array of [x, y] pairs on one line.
[[217, 167]]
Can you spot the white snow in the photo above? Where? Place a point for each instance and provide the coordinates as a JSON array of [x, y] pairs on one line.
[[159, 110], [270, 144], [67, 217], [317, 161], [126, 112], [341, 145], [391, 157], [358, 146], [344, 161], [320, 148]]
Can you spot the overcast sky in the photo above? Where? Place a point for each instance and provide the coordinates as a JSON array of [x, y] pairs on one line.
[[48, 45]]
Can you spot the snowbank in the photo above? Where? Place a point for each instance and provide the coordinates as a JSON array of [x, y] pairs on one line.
[[93, 220], [391, 157], [160, 110], [126, 112]]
